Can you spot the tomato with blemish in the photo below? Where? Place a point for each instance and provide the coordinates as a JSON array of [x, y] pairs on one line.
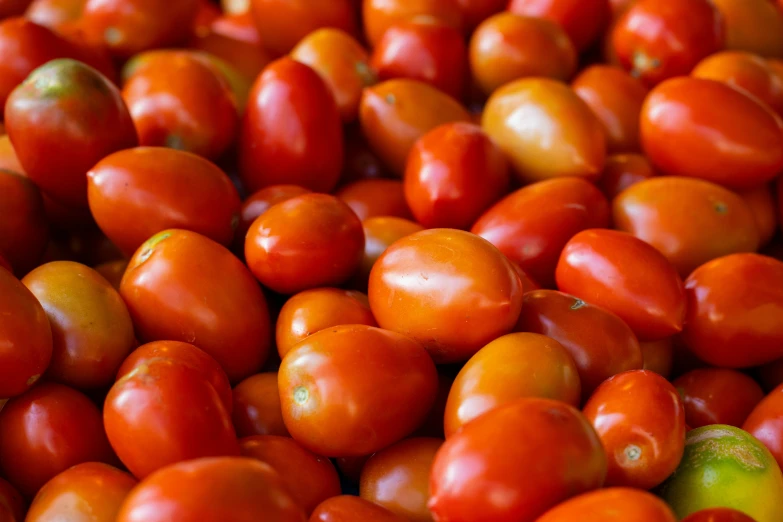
[[583, 20], [717, 396], [24, 232], [256, 408], [622, 171], [718, 515], [375, 197], [349, 508], [380, 15], [755, 26], [615, 504], [765, 422], [379, 234]]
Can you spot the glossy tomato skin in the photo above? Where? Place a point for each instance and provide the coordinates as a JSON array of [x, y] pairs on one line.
[[291, 131], [653, 305], [380, 15], [718, 515], [765, 423], [256, 409], [177, 279], [305, 242], [511, 367], [212, 490], [545, 214], [734, 301], [475, 462], [755, 26], [89, 492], [738, 146], [348, 508], [622, 171], [12, 505], [354, 389], [717, 396], [261, 201], [379, 234], [24, 232], [46, 431], [77, 116], [612, 504], [375, 197], [583, 21], [27, 337]]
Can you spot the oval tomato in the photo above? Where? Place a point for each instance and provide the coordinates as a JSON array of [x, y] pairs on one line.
[[765, 422], [258, 203], [718, 515], [622, 171], [375, 197], [611, 505], [349, 508], [717, 396], [583, 20], [256, 408], [24, 232], [379, 234], [379, 15], [755, 26]]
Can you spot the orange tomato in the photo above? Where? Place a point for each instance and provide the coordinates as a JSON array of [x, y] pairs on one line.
[[256, 407], [583, 20], [612, 505], [375, 198], [622, 171], [379, 234], [755, 26], [379, 15]]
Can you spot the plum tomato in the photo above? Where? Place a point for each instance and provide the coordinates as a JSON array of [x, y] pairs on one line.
[[755, 26], [594, 265], [476, 11], [622, 171], [546, 130], [614, 504], [583, 20], [765, 423], [532, 225], [735, 301], [24, 232], [256, 409], [658, 356], [47, 430], [349, 508], [380, 15], [717, 396], [305, 242], [599, 342], [718, 515], [261, 201], [12, 505], [379, 234], [74, 114], [352, 390], [182, 286], [291, 132], [58, 15], [478, 460], [412, 291], [375, 197], [763, 205], [514, 366]]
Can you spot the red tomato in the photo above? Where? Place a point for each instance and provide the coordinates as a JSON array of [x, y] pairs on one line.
[[305, 242], [8, 159], [238, 24], [62, 121], [717, 396], [658, 356], [733, 301], [256, 409], [212, 490], [352, 390], [291, 132], [261, 201], [478, 460], [583, 20], [182, 286], [375, 197], [765, 423], [379, 234], [612, 505], [57, 15], [12, 505], [532, 225], [10, 8], [348, 508], [476, 11], [755, 26], [47, 430], [24, 231], [454, 173], [718, 514], [622, 171], [380, 15], [763, 205], [247, 59]]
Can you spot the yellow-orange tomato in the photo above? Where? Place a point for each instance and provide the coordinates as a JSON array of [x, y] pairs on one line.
[[379, 15], [755, 26]]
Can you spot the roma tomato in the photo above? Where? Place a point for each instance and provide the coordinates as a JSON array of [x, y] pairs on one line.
[[738, 146], [24, 232], [594, 265], [454, 173], [182, 286], [411, 291], [532, 225], [735, 301], [546, 130], [380, 15], [583, 20], [755, 26], [476, 11], [476, 461], [348, 508], [718, 515], [305, 242], [763, 205], [256, 409], [611, 505], [598, 341], [514, 366], [765, 423], [717, 396], [658, 356], [352, 390], [291, 132], [88, 492], [379, 234], [212, 490], [10, 8], [375, 197], [12, 505], [47, 430], [74, 114], [261, 201], [690, 221], [622, 171]]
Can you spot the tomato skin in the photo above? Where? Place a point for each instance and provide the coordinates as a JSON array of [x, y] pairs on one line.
[[380, 15], [622, 171], [342, 384], [348, 508], [9, 8], [763, 205], [582, 20], [735, 301], [379, 234], [755, 26], [248, 59], [169, 297], [212, 490], [24, 232], [291, 132], [658, 356], [112, 271], [75, 114], [511, 367], [27, 337], [591, 267], [718, 515], [375, 197], [256, 409], [475, 461], [47, 430], [89, 492], [611, 505], [765, 423], [476, 11], [717, 396], [546, 214], [261, 201], [12, 505], [305, 242], [8, 159]]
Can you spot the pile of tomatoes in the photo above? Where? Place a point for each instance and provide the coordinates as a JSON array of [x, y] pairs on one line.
[[391, 260]]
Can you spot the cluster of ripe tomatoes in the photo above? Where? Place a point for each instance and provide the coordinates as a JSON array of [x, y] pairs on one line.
[[468, 260]]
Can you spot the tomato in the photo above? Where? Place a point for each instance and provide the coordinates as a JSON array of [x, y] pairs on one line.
[[348, 508], [658, 356], [239, 25], [380, 15], [433, 425], [738, 146], [660, 39], [12, 505], [212, 490], [718, 515], [379, 234], [396, 113], [352, 390], [57, 15], [89, 492], [47, 430], [510, 367], [261, 201], [755, 26], [765, 422], [26, 347], [182, 286], [734, 301], [128, 27], [724, 466], [248, 59], [256, 409], [532, 225], [690, 221], [8, 159], [291, 132], [342, 63], [622, 171], [77, 116], [24, 232], [112, 271], [10, 8], [593, 266], [763, 205], [546, 130], [611, 505], [360, 161], [314, 310], [583, 20], [375, 197], [305, 242], [478, 460], [717, 396], [412, 284]]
